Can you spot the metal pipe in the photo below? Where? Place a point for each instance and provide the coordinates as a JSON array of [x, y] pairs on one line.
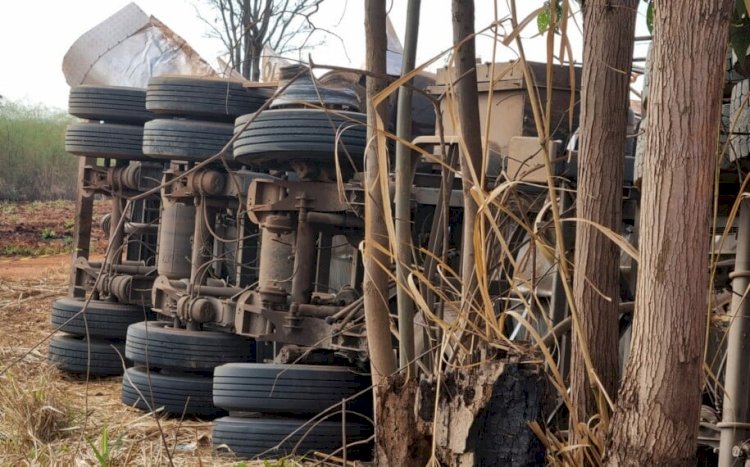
[[305, 254], [116, 232], [340, 220], [405, 165], [212, 291], [127, 269], [317, 311], [323, 267], [134, 228], [202, 249], [736, 411]]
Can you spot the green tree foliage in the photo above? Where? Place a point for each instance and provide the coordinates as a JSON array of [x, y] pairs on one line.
[[33, 162]]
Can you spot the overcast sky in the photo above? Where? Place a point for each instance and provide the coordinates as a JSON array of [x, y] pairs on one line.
[[34, 36]]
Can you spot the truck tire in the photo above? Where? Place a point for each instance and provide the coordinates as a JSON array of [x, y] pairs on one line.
[[71, 354], [104, 319], [288, 389], [159, 345], [202, 98], [113, 104], [739, 121], [251, 437], [178, 394], [109, 140], [280, 137], [185, 140]]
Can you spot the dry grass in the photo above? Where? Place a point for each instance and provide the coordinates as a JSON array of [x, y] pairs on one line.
[[50, 418], [35, 411]]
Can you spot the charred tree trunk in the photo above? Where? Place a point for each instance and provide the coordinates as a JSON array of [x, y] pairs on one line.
[[657, 412], [403, 439], [375, 284], [609, 28], [467, 100], [484, 414]]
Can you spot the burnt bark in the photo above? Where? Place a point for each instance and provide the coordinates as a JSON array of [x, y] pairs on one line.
[[484, 414], [402, 439], [609, 28], [658, 408]]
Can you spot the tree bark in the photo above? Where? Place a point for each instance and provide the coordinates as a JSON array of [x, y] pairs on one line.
[[467, 100], [246, 42], [254, 59], [375, 284], [405, 162], [657, 412], [609, 28]]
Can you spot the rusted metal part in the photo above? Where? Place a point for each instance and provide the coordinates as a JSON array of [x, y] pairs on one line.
[[122, 180], [276, 263], [253, 315], [316, 311], [343, 220], [206, 304], [271, 197], [116, 232], [82, 226], [201, 183], [304, 260], [175, 250], [126, 283], [202, 244], [323, 264], [211, 183]]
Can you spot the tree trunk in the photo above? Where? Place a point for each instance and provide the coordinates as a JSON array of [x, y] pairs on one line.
[[405, 162], [657, 413], [254, 59], [375, 284], [245, 43], [608, 33], [467, 100]]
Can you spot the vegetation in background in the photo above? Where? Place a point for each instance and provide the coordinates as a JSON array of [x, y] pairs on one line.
[[247, 28], [32, 154]]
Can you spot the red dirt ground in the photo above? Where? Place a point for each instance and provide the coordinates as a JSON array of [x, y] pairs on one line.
[[43, 228]]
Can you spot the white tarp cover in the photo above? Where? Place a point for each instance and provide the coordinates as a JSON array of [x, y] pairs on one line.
[[127, 49], [395, 51]]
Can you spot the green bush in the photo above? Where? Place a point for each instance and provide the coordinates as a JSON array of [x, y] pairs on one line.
[[33, 161]]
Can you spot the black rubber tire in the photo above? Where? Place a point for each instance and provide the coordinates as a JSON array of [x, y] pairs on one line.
[[176, 393], [71, 354], [109, 140], [105, 319], [251, 437], [287, 389], [279, 137], [185, 140], [113, 104], [204, 98], [739, 136], [159, 345]]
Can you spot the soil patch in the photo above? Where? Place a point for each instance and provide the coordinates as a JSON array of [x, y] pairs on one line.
[[44, 227]]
